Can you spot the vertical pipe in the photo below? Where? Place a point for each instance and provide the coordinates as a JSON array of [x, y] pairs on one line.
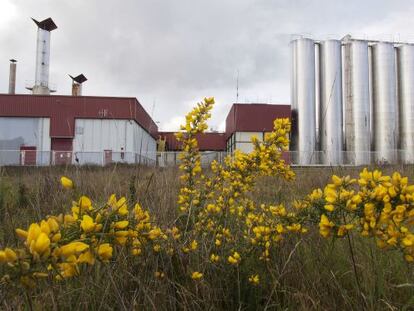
[[303, 100], [405, 66], [330, 119], [12, 77], [384, 102], [357, 102], [76, 89]]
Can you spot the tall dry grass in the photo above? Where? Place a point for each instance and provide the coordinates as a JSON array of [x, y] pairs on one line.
[[306, 274]]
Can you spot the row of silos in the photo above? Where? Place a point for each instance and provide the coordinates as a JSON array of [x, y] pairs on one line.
[[363, 93]]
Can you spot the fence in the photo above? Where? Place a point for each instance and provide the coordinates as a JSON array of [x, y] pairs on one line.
[[28, 157], [46, 158]]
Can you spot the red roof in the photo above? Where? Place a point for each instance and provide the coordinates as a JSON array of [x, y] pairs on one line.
[[254, 117], [210, 141], [63, 110]]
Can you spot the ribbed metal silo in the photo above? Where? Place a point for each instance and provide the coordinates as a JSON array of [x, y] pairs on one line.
[[405, 69], [330, 111], [303, 139], [357, 102], [384, 93]]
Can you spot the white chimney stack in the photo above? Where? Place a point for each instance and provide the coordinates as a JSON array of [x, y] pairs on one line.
[[12, 76], [41, 85]]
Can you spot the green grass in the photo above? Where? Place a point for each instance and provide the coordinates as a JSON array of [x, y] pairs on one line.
[[304, 274]]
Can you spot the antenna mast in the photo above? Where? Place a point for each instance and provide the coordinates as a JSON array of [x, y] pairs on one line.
[[237, 87]]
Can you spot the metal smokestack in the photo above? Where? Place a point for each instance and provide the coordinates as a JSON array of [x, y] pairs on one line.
[[41, 85], [77, 84], [12, 76]]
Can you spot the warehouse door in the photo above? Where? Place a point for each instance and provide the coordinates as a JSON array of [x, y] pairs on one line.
[[27, 155], [107, 157], [62, 150]]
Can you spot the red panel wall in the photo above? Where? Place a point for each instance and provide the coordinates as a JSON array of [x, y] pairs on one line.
[[254, 117], [61, 144], [206, 141]]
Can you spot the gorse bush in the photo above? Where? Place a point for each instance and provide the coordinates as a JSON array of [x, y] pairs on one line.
[[223, 230]]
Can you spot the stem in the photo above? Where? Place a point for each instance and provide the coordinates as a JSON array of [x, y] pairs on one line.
[[351, 250], [238, 287], [29, 300]]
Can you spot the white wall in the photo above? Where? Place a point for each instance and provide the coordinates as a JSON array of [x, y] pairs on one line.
[[93, 136], [17, 131], [242, 141], [247, 136]]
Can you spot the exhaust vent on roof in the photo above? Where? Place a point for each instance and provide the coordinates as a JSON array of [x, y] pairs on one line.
[[77, 84]]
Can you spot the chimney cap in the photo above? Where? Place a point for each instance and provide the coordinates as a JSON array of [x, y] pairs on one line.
[[79, 79], [13, 60], [48, 24]]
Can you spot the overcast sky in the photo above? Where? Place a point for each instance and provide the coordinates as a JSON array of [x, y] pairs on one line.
[[170, 54]]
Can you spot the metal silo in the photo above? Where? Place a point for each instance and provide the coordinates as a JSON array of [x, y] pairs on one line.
[[357, 102], [405, 66], [384, 102], [330, 119], [303, 101]]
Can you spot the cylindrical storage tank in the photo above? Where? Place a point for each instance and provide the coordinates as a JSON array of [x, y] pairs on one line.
[[405, 69], [330, 111], [384, 102], [303, 139], [357, 103]]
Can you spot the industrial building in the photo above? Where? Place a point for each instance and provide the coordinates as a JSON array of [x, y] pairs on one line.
[[242, 122], [75, 130], [247, 120], [352, 102]]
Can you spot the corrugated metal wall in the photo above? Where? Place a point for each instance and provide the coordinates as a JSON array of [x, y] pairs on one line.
[[16, 132]]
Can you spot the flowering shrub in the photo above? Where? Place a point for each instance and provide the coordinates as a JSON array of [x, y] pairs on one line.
[[221, 223]]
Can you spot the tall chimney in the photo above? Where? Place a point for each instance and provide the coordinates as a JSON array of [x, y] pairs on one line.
[[77, 84], [41, 85], [12, 76]]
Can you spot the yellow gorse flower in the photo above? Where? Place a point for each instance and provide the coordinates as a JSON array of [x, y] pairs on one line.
[[254, 279], [196, 275], [105, 251], [87, 224], [234, 259], [66, 182]]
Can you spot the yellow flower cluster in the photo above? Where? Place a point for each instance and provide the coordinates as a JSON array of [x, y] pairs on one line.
[[59, 245], [374, 205], [196, 123], [219, 206]]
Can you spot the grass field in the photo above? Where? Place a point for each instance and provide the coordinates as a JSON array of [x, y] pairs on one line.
[[308, 272]]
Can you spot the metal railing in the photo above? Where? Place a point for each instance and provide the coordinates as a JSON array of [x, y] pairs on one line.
[[172, 159]]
